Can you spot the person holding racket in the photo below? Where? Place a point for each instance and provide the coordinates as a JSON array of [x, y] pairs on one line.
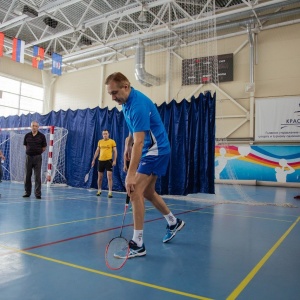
[[107, 152], [148, 150]]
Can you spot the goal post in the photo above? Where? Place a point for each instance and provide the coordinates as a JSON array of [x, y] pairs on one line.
[[53, 165]]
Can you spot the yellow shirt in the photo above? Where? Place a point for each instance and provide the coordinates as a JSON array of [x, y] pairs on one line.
[[106, 149]]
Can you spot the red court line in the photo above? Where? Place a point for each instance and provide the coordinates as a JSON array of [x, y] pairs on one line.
[[104, 230]]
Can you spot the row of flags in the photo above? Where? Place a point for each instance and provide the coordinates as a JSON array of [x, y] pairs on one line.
[[18, 52]]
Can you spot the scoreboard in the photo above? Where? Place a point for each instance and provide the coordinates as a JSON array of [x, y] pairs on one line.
[[199, 70]]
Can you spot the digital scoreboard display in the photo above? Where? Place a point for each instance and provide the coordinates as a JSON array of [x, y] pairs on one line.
[[194, 70]]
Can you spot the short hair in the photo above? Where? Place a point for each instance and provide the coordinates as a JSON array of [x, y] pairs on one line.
[[119, 78], [35, 122], [105, 130]]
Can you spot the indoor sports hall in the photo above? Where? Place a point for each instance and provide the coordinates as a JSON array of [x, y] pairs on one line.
[[211, 93], [54, 248]]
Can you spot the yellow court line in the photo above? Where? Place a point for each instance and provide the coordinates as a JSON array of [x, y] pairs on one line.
[[149, 285], [255, 270]]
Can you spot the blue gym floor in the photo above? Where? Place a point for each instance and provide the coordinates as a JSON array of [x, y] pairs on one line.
[[241, 243]]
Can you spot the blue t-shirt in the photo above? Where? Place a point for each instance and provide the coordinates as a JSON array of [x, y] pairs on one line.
[[142, 115]]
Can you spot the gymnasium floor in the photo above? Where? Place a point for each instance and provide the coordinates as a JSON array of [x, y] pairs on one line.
[[237, 244]]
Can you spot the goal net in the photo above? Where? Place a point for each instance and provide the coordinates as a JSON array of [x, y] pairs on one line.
[[53, 166]]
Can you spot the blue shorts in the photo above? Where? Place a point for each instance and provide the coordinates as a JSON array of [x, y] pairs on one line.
[[152, 164]]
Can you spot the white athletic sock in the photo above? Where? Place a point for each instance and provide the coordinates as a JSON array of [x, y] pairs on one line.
[[138, 237], [171, 219]]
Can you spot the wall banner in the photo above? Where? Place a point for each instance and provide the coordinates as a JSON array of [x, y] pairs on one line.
[[263, 163], [277, 119]]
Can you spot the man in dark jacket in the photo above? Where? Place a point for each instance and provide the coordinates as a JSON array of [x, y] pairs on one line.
[[35, 144]]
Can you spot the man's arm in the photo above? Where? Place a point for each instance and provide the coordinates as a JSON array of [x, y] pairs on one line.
[[128, 147], [115, 155], [44, 145], [136, 154], [95, 155], [25, 142]]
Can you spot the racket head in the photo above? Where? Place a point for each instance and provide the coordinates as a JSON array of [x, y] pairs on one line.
[[86, 177], [116, 253]]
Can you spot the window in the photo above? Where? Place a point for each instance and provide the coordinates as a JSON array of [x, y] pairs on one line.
[[19, 97]]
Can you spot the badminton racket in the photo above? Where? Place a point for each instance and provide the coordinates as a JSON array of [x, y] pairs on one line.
[[86, 177], [117, 250]]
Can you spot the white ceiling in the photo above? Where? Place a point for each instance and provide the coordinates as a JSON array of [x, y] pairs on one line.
[[94, 32]]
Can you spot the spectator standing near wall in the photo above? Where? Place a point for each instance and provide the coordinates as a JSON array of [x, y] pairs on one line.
[[35, 144]]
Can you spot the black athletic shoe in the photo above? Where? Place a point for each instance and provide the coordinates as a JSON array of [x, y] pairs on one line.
[[134, 251], [26, 196]]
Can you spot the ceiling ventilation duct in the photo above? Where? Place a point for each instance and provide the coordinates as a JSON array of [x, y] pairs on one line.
[[140, 73]]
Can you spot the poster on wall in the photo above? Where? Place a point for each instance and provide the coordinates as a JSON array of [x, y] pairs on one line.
[[277, 119], [264, 163]]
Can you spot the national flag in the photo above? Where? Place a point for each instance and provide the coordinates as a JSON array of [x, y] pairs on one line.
[[1, 43], [18, 50], [38, 57], [56, 64]]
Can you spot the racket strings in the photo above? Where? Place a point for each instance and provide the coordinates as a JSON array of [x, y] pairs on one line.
[[117, 252]]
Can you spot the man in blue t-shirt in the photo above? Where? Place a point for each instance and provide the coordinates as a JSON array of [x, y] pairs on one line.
[[148, 149]]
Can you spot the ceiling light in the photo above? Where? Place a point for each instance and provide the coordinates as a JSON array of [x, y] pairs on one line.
[[74, 38], [142, 17], [19, 10]]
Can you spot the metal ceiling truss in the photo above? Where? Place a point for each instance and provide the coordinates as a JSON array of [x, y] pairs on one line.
[[89, 32]]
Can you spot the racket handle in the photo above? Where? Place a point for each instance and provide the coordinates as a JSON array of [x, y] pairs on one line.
[[127, 199]]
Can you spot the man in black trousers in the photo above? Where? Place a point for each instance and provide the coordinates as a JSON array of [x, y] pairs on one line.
[[35, 144]]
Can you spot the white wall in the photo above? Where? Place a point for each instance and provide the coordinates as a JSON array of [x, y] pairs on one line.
[[78, 90], [25, 72], [276, 74]]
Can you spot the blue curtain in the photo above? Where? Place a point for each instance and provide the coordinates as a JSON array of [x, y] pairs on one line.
[[190, 127]]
